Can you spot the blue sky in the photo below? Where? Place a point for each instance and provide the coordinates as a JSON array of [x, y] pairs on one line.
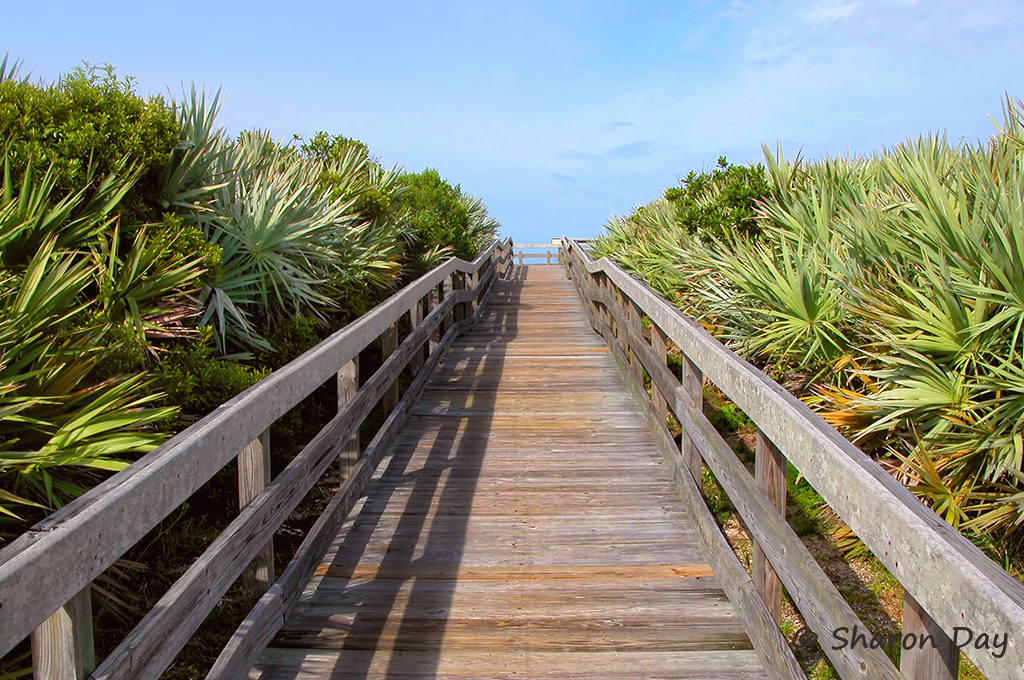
[[559, 114]]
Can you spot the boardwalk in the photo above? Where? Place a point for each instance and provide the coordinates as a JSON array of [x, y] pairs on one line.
[[523, 526]]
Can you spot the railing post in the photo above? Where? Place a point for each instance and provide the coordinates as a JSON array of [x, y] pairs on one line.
[[770, 473], [415, 319], [635, 320], [937, 661], [693, 385], [442, 327], [62, 645], [659, 341], [548, 253], [253, 477], [472, 281], [458, 283], [348, 385], [520, 258], [389, 343]]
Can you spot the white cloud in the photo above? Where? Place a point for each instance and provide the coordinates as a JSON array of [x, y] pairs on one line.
[[827, 11]]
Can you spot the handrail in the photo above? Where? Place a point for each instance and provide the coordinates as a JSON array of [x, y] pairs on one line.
[[53, 562], [950, 583]]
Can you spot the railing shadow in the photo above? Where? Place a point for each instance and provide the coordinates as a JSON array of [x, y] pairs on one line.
[[434, 489]]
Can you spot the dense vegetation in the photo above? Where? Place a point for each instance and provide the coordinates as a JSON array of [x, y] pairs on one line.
[[152, 267], [887, 290]]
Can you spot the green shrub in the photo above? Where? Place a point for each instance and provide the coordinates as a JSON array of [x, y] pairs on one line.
[[86, 126], [721, 203], [187, 241], [435, 216], [196, 381]]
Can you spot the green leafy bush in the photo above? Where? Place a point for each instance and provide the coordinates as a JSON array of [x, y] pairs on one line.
[[196, 381], [721, 203], [89, 125]]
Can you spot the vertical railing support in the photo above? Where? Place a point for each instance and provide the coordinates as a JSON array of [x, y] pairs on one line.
[[634, 317], [62, 645], [389, 343], [459, 283], [770, 473], [520, 258], [659, 341], [253, 477], [415, 319], [442, 327], [348, 385], [471, 284], [693, 385], [937, 661]]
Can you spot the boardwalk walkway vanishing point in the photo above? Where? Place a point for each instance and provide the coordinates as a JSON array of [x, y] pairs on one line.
[[524, 525]]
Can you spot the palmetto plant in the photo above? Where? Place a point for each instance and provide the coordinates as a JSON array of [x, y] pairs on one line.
[[289, 245], [900, 279], [57, 424]]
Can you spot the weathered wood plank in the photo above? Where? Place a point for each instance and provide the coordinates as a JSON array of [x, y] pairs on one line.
[[62, 647], [770, 474], [348, 385], [260, 626], [253, 477], [937, 659], [441, 557]]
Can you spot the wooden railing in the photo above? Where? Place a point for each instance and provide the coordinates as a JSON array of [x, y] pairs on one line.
[[45, 574], [951, 586], [550, 252]]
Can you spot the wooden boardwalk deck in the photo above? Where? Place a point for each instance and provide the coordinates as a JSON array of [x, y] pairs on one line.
[[523, 526]]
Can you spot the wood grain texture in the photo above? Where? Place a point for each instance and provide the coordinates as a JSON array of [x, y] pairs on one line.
[[62, 647], [821, 604], [939, 660], [770, 474], [253, 477], [773, 649], [523, 510], [949, 576], [348, 385]]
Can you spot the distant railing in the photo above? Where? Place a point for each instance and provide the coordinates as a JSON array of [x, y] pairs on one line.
[[45, 574], [551, 250], [952, 590]]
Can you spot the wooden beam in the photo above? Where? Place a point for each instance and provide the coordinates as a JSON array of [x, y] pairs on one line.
[[415, 318], [936, 660], [660, 345], [458, 283], [389, 343], [770, 474], [634, 317], [348, 385], [62, 647], [693, 386], [253, 477]]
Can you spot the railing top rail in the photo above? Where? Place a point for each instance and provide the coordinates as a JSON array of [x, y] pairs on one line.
[[49, 564], [947, 574]]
